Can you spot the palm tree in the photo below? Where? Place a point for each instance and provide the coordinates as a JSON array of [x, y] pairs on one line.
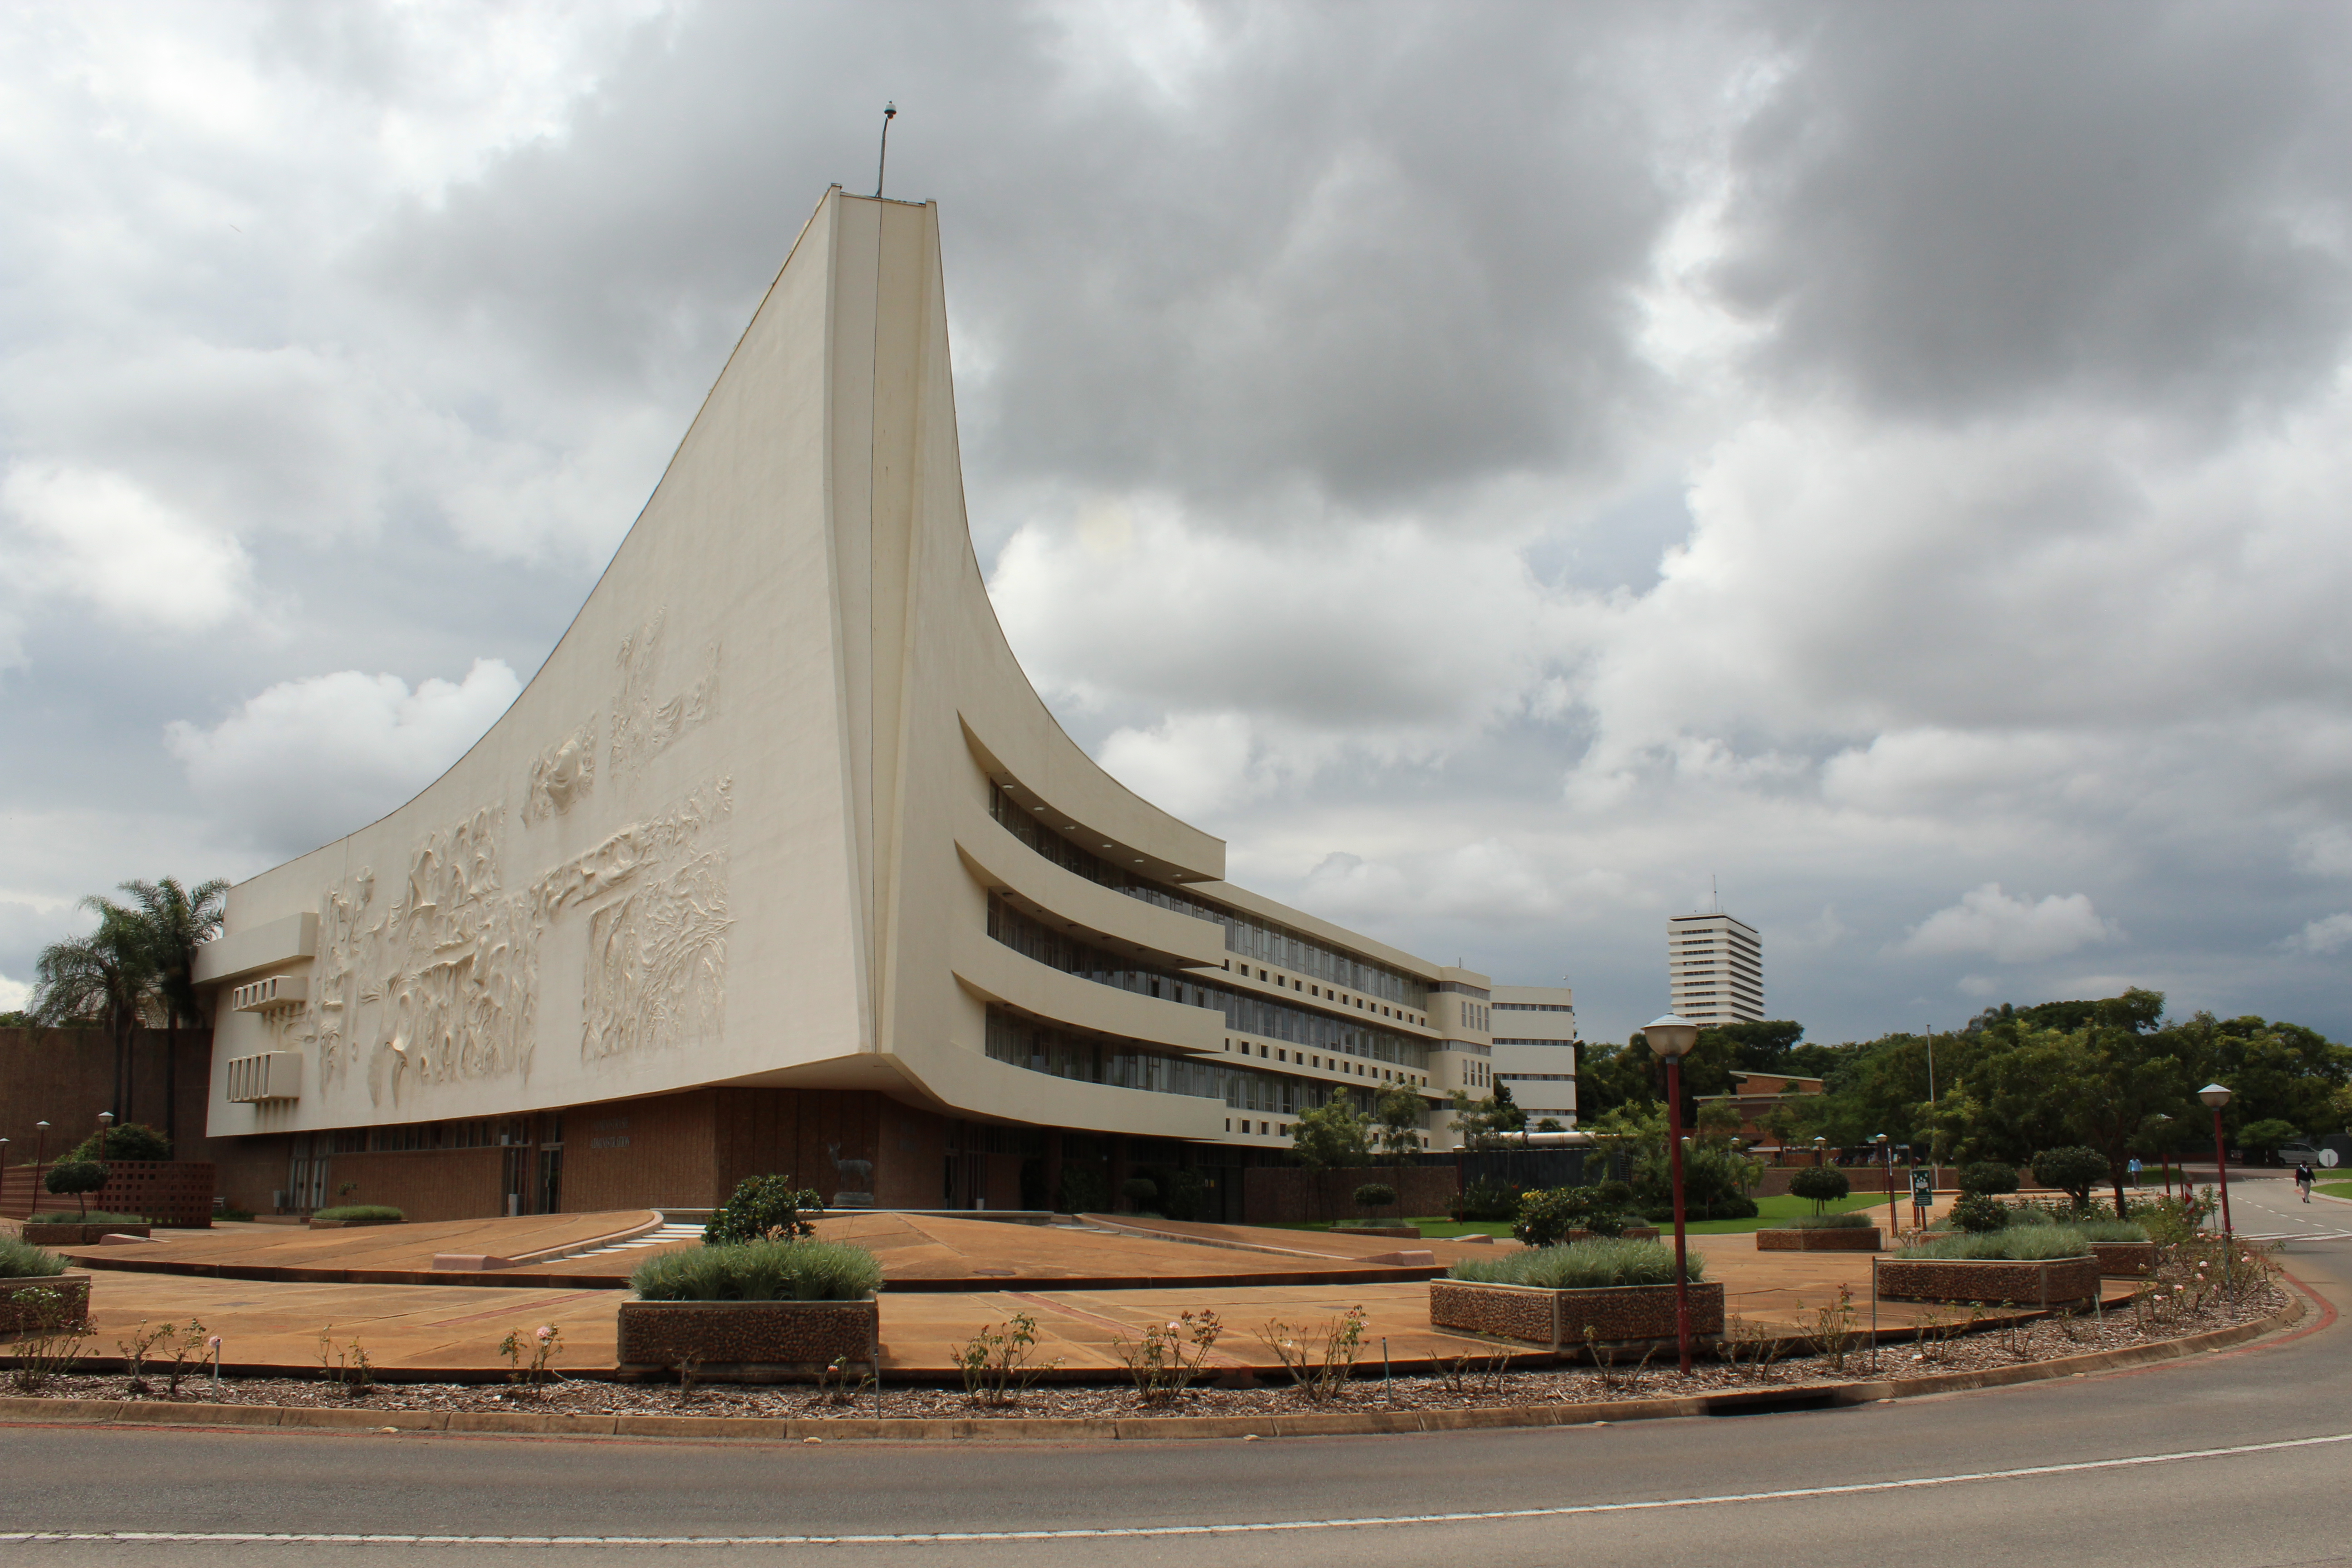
[[174, 922], [103, 978]]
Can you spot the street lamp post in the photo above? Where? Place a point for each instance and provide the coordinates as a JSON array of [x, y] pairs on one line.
[[1672, 1039], [1886, 1155], [2216, 1096]]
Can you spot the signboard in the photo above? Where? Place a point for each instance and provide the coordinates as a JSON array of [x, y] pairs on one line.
[[2327, 1158], [1923, 1189]]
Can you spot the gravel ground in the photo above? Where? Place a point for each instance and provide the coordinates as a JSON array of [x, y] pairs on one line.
[[1479, 1383]]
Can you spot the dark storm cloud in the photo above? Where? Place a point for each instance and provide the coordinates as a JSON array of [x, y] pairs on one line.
[[1952, 209], [1378, 249]]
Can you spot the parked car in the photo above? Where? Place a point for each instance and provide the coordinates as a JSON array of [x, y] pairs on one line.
[[2293, 1154]]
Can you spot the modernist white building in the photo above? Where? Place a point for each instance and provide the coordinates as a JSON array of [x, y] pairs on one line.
[[1535, 1049], [779, 864], [1714, 969]]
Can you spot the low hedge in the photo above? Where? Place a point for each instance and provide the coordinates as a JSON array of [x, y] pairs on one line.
[[95, 1216], [2030, 1243], [760, 1271], [1861, 1219], [362, 1211], [1580, 1266], [2109, 1229], [20, 1260]]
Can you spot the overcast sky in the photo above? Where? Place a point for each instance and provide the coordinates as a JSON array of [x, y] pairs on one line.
[[1506, 470]]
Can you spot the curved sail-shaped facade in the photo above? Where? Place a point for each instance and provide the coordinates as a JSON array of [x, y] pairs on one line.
[[779, 864]]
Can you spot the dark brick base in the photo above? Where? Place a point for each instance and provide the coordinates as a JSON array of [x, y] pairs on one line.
[[21, 1317], [2070, 1279], [1559, 1318], [2128, 1259], [745, 1342], [1853, 1238]]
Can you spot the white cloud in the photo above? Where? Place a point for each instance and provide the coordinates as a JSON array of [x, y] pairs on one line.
[[2332, 933], [307, 761], [12, 993], [2010, 930], [96, 536]]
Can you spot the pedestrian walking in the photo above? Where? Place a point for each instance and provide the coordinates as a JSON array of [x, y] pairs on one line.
[[2135, 1170], [2303, 1179]]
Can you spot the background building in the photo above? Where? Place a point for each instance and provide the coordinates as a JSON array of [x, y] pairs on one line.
[[1535, 1049], [1714, 969]]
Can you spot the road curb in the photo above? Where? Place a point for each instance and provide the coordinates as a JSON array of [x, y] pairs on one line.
[[20, 1411]]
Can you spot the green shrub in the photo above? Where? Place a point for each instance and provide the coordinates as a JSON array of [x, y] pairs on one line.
[[1988, 1177], [2073, 1171], [2034, 1244], [21, 1261], [1858, 1220], [95, 1216], [1546, 1215], [1485, 1199], [763, 1208], [760, 1271], [2027, 1214], [1188, 1195], [1582, 1266], [1979, 1214], [1140, 1193], [1084, 1191], [361, 1211], [75, 1178], [1823, 1184], [2109, 1229], [1375, 1195], [132, 1141]]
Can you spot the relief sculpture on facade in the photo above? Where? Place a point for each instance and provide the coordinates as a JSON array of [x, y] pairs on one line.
[[565, 773], [643, 725], [656, 897]]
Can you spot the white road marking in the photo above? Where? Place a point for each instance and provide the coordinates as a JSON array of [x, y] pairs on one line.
[[289, 1538]]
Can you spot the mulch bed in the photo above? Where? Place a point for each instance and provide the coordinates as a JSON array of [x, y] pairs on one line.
[[1480, 1383]]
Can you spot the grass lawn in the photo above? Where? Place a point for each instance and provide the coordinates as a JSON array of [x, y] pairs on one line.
[[2334, 1189], [1770, 1211]]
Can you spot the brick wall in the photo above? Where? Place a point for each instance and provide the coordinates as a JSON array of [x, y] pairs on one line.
[[65, 1076], [655, 1152], [422, 1183]]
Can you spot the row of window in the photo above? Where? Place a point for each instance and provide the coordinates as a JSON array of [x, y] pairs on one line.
[[1025, 1042], [1533, 1008], [1360, 1069], [1244, 1014], [413, 1137], [1247, 936]]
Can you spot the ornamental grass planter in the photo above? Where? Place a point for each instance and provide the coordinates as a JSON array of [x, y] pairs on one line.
[[2128, 1259], [1616, 1314], [1631, 1233], [22, 1313], [78, 1235], [746, 1342], [2058, 1281], [1839, 1238]]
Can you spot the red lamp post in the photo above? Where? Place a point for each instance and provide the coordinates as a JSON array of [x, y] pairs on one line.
[[1672, 1039], [2216, 1096]]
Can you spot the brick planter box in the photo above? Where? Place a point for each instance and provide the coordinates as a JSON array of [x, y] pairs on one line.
[[745, 1342], [22, 1317], [1847, 1239], [2060, 1281], [78, 1235], [2127, 1259], [1558, 1318]]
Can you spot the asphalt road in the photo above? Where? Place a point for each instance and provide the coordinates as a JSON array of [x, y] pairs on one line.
[[2234, 1460]]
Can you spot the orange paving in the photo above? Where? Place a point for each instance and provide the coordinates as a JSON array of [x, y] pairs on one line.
[[455, 1329], [375, 1247]]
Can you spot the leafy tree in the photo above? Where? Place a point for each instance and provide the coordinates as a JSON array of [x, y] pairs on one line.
[[1550, 1124], [1989, 1177], [1510, 1116], [1761, 1047], [173, 922], [1792, 1119], [104, 978], [1717, 1122], [1374, 1195], [1980, 1212], [132, 1141], [2264, 1137], [77, 1178], [1822, 1184], [1397, 1115], [1481, 1123], [1140, 1193], [2072, 1169], [1331, 1134]]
